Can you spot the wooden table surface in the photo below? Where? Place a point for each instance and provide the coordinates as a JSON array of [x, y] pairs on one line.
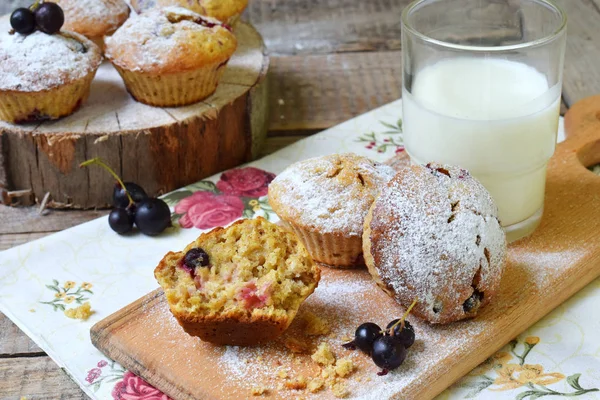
[[331, 60]]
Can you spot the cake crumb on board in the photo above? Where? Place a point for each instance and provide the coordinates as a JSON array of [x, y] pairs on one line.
[[83, 312]]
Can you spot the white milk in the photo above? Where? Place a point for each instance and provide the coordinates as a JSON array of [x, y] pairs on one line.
[[496, 118]]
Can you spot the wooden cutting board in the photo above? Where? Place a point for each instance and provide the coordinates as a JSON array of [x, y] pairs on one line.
[[544, 270]]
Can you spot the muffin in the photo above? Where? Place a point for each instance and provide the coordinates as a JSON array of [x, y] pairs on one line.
[[94, 18], [433, 234], [171, 57], [324, 200], [226, 11], [240, 285], [44, 76]]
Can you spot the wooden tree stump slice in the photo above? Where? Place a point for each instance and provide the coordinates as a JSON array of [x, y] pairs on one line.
[[161, 149]]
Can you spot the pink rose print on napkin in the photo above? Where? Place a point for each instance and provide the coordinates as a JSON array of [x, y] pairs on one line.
[[246, 182], [133, 387], [205, 210], [93, 374]]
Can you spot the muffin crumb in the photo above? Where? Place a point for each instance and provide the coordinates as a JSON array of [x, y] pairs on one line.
[[296, 384], [259, 391], [340, 390], [344, 367], [315, 385], [282, 374], [323, 355], [83, 312]]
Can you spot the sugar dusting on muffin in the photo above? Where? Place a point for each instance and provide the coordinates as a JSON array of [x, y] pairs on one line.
[[434, 234], [40, 61]]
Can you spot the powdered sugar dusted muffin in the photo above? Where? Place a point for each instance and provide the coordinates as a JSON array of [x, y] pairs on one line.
[[226, 11], [433, 234], [94, 18], [171, 56], [239, 285], [44, 76], [324, 200]]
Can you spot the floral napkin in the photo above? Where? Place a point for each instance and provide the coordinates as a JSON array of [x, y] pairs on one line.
[[42, 280]]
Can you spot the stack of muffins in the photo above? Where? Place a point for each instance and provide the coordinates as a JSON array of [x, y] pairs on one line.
[[172, 54]]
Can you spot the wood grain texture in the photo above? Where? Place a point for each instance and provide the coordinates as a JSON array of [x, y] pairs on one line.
[[27, 219], [581, 72], [15, 239], [327, 26], [13, 342], [543, 271], [161, 149], [36, 378], [316, 91]]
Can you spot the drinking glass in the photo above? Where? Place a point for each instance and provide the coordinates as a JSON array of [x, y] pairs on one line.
[[481, 89]]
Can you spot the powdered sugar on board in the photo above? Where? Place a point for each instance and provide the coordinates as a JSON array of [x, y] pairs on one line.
[[40, 61], [345, 299]]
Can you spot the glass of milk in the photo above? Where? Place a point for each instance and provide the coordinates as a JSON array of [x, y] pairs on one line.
[[481, 89]]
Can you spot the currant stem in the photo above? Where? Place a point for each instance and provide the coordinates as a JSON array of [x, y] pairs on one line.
[[35, 6], [401, 322], [101, 163]]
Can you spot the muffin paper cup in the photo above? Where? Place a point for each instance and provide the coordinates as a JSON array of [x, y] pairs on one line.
[[20, 107], [175, 89], [333, 250]]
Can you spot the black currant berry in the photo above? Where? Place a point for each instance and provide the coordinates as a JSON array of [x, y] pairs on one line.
[[405, 335], [49, 17], [364, 337], [136, 192], [196, 258], [22, 21], [152, 216], [388, 353], [121, 220]]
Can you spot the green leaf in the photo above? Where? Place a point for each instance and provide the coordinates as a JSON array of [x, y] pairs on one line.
[[174, 197], [203, 186], [388, 125], [399, 123], [477, 387], [55, 282], [53, 288], [96, 386], [248, 213], [61, 306], [532, 394], [573, 381]]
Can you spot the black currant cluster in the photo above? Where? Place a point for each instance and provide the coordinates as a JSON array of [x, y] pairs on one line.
[[46, 16], [388, 348], [133, 206]]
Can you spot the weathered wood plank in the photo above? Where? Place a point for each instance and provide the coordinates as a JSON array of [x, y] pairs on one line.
[[13, 341], [14, 239], [27, 219], [36, 378], [319, 91], [277, 143], [581, 74], [327, 26]]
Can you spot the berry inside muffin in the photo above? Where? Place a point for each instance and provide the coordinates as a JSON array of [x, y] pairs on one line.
[[231, 281]]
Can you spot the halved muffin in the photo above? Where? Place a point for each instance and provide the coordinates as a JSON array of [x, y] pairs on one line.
[[240, 285]]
